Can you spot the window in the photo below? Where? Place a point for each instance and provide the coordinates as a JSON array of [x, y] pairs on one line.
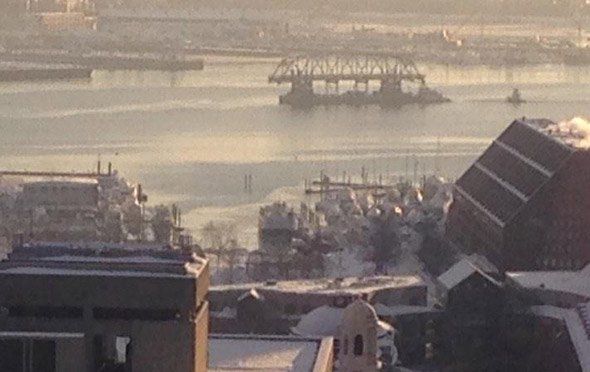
[[107, 359], [123, 347], [336, 346], [48, 312], [43, 355], [106, 313], [12, 351], [358, 345], [27, 355], [345, 346]]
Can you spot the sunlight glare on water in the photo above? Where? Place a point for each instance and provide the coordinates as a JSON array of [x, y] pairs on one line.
[[191, 137]]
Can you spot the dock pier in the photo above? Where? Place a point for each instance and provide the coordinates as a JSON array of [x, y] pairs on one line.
[[102, 60], [20, 71]]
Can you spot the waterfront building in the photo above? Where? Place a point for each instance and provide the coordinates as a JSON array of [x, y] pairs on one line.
[[524, 202], [50, 210], [277, 226]]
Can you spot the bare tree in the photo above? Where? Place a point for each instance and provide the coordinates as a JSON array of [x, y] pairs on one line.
[[232, 256], [218, 236], [162, 224]]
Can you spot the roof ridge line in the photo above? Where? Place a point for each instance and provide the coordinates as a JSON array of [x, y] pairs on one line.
[[524, 158], [513, 189]]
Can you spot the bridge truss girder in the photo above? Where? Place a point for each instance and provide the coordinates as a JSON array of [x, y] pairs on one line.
[[333, 69]]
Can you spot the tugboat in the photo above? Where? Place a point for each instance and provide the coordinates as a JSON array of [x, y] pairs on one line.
[[515, 98]]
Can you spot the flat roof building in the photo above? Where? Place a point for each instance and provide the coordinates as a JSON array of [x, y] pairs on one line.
[[247, 353], [103, 309]]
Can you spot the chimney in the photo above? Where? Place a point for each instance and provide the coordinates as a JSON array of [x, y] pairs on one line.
[[110, 168], [98, 168]]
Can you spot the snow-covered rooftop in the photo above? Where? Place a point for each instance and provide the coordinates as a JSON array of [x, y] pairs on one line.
[[574, 282], [331, 286], [264, 353], [124, 259], [32, 270], [94, 245], [68, 261], [326, 320], [40, 335], [574, 133], [74, 183], [322, 321], [277, 216], [392, 311], [459, 272]]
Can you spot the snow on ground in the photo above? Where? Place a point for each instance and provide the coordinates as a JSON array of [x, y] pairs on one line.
[[243, 214]]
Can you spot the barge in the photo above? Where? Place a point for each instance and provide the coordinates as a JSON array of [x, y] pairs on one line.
[[400, 82]]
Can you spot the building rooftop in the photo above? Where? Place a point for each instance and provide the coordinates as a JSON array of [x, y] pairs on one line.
[[268, 353], [330, 286], [322, 321], [461, 271], [577, 322], [574, 282], [516, 166], [326, 321], [397, 310], [573, 133], [578, 325], [78, 182], [96, 260], [277, 216]]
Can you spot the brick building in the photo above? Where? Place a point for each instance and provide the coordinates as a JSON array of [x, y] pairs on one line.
[[524, 202]]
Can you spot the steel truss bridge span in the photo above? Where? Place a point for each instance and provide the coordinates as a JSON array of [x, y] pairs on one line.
[[332, 69]]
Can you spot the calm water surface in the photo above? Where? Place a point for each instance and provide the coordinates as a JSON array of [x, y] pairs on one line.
[[191, 137]]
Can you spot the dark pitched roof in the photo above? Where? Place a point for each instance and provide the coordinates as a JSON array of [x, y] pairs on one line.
[[513, 168]]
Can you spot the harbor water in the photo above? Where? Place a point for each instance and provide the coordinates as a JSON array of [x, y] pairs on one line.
[[191, 137]]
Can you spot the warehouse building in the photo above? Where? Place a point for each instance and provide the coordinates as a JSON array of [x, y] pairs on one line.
[[524, 202]]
